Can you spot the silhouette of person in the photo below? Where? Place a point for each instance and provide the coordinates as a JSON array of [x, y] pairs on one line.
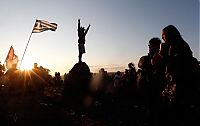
[[132, 75], [181, 67], [117, 80], [151, 79], [81, 40], [146, 63], [157, 52], [179, 56]]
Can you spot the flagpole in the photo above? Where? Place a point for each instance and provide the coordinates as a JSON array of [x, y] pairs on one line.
[[25, 49]]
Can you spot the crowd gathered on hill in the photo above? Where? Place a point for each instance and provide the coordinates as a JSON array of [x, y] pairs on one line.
[[164, 90]]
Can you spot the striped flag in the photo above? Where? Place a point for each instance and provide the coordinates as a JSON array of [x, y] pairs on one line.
[[42, 25]]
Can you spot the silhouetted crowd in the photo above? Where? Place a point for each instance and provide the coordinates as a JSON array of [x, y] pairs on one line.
[[163, 91]]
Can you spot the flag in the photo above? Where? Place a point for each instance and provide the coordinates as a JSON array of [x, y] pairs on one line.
[[11, 59], [42, 25]]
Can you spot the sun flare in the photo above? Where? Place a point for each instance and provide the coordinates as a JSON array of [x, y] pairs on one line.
[[27, 64]]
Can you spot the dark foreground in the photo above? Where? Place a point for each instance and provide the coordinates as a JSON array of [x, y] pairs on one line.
[[51, 109]]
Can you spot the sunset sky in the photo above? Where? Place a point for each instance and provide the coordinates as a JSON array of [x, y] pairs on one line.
[[119, 32]]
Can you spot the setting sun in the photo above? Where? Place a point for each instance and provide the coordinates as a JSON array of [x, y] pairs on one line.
[[27, 64]]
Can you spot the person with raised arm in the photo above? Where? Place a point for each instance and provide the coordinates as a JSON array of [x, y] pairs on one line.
[[81, 40]]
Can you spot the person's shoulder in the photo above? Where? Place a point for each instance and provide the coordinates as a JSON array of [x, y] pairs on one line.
[[144, 58], [144, 61]]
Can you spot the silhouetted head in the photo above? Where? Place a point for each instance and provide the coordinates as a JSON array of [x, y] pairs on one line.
[[101, 70], [172, 37], [35, 65], [118, 72], [82, 29], [126, 71], [154, 45], [131, 65], [170, 34]]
